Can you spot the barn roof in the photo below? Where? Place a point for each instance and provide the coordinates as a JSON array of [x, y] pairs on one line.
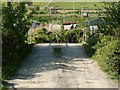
[[96, 21]]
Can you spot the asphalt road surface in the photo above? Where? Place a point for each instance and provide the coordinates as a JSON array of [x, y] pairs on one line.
[[60, 66]]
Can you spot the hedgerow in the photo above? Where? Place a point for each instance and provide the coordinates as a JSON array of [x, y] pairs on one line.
[[89, 45], [107, 47], [107, 55], [62, 36], [15, 24]]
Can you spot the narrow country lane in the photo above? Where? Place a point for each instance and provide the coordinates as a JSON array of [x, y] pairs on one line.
[[60, 66]]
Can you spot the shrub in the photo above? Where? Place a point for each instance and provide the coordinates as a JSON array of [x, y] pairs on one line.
[[62, 36], [89, 46], [93, 40], [107, 47], [107, 55], [15, 24], [89, 50]]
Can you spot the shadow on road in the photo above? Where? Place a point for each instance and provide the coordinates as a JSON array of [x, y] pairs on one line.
[[50, 57]]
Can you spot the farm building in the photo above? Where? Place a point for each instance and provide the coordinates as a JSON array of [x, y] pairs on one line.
[[85, 14], [66, 26], [93, 27], [96, 21], [54, 27], [69, 26], [53, 10]]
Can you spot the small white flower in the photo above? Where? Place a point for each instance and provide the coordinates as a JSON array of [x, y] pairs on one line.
[[14, 24]]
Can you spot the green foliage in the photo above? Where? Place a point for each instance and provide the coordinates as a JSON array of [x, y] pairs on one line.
[[107, 47], [112, 18], [15, 24], [89, 50], [93, 40], [63, 36], [13, 63], [3, 88], [90, 44], [60, 19], [43, 36], [106, 51], [107, 55]]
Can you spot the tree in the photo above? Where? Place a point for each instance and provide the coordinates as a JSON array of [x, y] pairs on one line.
[[15, 24], [112, 18]]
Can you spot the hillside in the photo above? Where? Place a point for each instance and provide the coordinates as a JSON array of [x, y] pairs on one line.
[[69, 5]]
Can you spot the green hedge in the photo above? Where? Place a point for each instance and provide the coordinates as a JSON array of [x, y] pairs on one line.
[[106, 51], [63, 36], [89, 50], [15, 24], [13, 62], [91, 42], [107, 54]]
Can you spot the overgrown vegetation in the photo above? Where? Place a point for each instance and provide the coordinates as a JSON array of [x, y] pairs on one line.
[[62, 36], [105, 49], [89, 45], [15, 24], [60, 19], [107, 55]]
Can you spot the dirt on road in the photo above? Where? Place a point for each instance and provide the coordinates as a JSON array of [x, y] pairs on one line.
[[60, 66]]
